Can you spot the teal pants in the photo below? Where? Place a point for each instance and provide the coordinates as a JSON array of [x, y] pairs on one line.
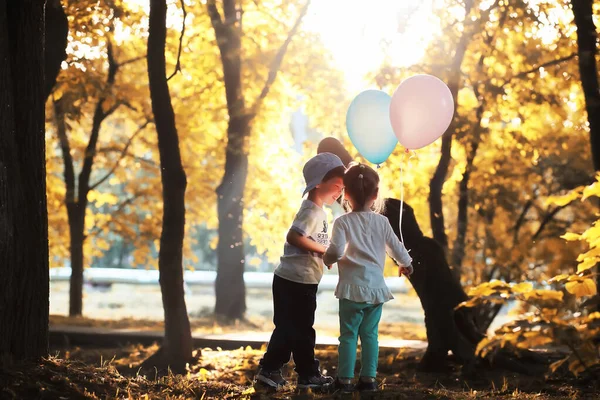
[[358, 319]]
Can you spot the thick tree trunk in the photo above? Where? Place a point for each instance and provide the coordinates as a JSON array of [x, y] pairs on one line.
[[587, 38], [230, 289], [24, 286], [439, 291], [177, 345], [436, 207], [229, 286], [56, 33]]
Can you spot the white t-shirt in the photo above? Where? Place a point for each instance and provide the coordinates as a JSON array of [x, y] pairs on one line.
[[359, 242], [299, 265]]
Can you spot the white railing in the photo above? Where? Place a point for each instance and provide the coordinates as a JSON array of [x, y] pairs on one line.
[[191, 278]]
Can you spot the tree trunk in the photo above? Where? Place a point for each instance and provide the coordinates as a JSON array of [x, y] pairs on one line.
[[439, 291], [436, 207], [24, 286], [77, 203], [177, 345], [588, 71], [76, 216], [462, 225], [229, 286], [56, 33], [230, 289]]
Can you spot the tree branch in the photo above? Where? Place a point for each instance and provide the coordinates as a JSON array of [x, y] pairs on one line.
[[520, 221], [215, 16], [549, 216], [121, 157], [523, 74], [69, 171], [132, 60], [99, 117], [178, 64], [276, 64]]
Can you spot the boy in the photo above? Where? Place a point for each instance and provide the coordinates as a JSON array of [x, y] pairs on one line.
[[296, 280]]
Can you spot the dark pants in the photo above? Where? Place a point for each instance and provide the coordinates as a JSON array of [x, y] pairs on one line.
[[294, 315]]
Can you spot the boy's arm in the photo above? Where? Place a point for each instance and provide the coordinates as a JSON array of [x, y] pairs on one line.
[[335, 251], [304, 242], [298, 235]]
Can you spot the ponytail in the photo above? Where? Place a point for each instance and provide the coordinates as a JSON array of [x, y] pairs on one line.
[[361, 183]]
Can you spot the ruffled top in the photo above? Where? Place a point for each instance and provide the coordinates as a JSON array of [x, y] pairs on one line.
[[359, 243], [363, 294]]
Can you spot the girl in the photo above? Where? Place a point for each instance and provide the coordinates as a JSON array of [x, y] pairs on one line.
[[358, 244]]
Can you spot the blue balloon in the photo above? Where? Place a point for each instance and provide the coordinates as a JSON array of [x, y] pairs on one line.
[[369, 127]]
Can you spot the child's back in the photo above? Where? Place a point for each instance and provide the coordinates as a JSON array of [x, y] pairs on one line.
[[365, 236]]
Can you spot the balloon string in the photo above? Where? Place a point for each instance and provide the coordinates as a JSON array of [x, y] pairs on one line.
[[401, 198]]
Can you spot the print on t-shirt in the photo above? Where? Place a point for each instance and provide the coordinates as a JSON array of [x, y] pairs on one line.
[[322, 237]]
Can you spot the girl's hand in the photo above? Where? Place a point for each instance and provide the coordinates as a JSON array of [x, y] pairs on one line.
[[406, 271]]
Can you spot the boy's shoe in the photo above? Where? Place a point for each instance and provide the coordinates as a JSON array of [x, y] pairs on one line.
[[344, 385], [316, 381], [366, 385], [269, 380]]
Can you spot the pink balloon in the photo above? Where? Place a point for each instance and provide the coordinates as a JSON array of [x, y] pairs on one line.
[[421, 110]]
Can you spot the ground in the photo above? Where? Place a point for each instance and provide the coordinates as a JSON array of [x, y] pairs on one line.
[[111, 373], [75, 373]]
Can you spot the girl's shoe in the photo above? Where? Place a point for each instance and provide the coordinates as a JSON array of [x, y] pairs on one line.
[[344, 385], [366, 384], [315, 382]]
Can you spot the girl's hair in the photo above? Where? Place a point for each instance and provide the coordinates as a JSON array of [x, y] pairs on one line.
[[361, 183]]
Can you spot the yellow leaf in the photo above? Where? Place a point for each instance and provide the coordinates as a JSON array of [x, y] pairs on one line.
[[564, 200], [255, 261], [587, 264], [559, 278], [555, 365], [571, 236], [544, 295], [580, 289], [591, 190], [522, 287], [593, 316]]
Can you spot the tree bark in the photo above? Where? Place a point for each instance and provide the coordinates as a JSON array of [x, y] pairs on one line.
[[56, 34], [587, 38], [230, 289], [439, 291], [462, 224], [586, 50], [24, 286], [436, 208], [177, 346]]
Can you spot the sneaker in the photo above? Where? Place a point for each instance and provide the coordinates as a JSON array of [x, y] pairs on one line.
[[316, 381], [366, 385], [344, 385], [269, 380]]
